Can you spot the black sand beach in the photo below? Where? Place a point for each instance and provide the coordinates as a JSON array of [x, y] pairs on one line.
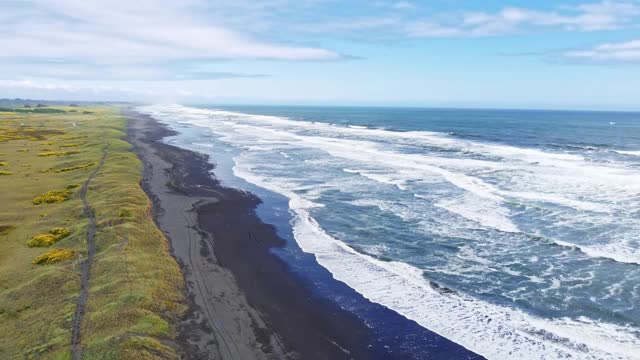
[[237, 270], [245, 303]]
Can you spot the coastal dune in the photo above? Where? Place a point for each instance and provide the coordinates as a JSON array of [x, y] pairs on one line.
[[84, 271]]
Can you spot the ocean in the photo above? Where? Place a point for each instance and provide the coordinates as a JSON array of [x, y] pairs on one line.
[[513, 233]]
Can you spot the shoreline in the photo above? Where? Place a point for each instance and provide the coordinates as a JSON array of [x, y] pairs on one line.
[[218, 239], [284, 320]]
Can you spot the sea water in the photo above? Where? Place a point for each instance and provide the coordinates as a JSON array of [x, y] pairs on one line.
[[515, 234]]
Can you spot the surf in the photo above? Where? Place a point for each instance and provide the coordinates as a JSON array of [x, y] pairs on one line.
[[496, 207]]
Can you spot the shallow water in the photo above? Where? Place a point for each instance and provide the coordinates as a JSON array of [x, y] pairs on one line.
[[512, 233]]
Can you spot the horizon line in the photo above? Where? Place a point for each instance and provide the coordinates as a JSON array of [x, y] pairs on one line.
[[355, 105]]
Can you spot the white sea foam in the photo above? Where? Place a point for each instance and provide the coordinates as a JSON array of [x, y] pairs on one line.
[[618, 252], [203, 145], [565, 179], [385, 178], [545, 179], [474, 324], [558, 199], [425, 137], [477, 325], [485, 213], [626, 152]]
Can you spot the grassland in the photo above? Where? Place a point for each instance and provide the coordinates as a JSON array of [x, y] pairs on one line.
[[135, 289]]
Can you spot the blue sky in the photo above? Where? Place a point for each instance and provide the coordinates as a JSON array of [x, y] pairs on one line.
[[454, 53]]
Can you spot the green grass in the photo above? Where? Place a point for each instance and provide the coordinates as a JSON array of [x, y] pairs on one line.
[[5, 229], [135, 293], [45, 110], [57, 153], [72, 145], [76, 167]]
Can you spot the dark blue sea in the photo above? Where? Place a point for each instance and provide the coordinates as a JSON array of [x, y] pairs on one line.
[[513, 233]]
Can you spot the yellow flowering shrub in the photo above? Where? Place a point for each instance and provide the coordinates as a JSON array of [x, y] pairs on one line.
[[58, 153], [53, 256], [44, 240], [41, 240], [51, 197], [77, 167]]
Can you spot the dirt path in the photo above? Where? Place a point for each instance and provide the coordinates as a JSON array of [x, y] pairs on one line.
[[85, 266]]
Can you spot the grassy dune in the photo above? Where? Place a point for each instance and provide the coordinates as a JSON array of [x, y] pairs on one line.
[[135, 291]]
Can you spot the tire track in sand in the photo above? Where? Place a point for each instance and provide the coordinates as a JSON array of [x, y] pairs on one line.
[[232, 351]]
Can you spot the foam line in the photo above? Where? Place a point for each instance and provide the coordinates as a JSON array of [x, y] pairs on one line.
[[528, 176]]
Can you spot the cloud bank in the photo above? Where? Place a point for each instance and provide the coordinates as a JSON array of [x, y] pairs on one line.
[[125, 31], [622, 52], [56, 45], [606, 15]]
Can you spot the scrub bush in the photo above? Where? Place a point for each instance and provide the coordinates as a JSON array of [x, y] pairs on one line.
[[53, 256], [52, 197], [44, 240]]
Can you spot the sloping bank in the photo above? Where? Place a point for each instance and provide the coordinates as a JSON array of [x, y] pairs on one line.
[[82, 260]]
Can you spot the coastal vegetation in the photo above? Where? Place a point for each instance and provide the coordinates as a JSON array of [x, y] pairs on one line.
[[53, 256], [54, 235], [53, 196], [73, 145], [76, 167], [135, 291], [57, 153]]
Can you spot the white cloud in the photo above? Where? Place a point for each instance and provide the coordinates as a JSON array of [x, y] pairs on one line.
[[385, 21], [428, 29], [30, 84], [111, 50], [115, 47], [623, 52], [126, 31], [353, 25], [115, 72], [402, 5], [605, 15], [69, 87]]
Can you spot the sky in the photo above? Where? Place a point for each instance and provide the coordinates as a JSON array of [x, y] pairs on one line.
[[568, 54]]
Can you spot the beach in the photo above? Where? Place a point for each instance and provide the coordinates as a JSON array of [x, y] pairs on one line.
[[193, 209]]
